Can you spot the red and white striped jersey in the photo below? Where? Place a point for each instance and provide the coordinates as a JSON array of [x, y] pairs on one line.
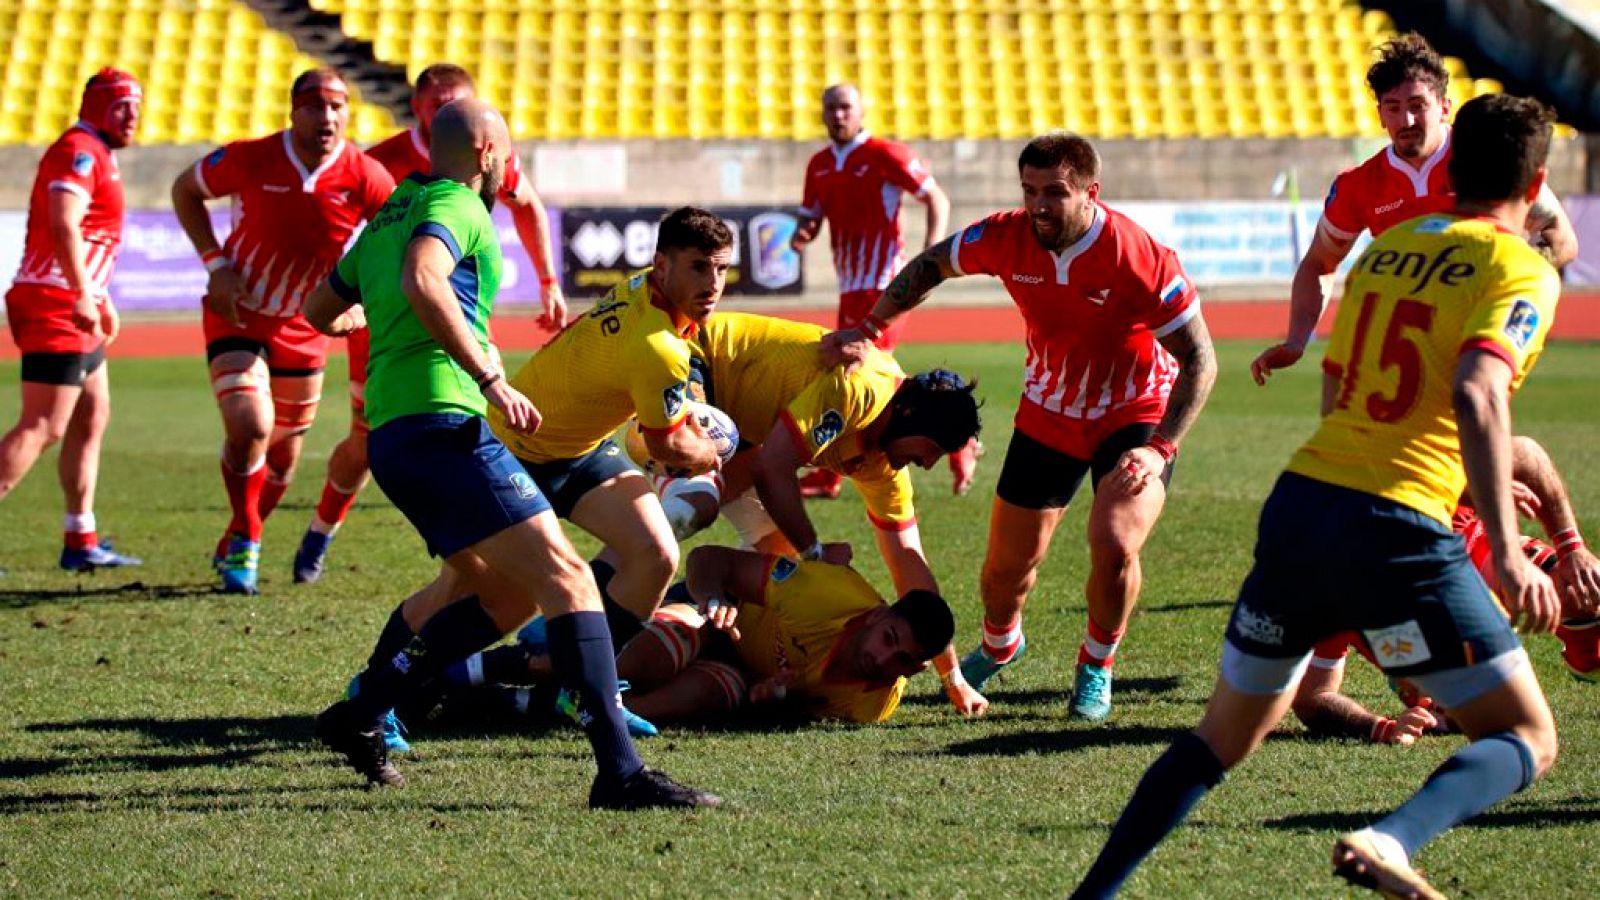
[[404, 154], [81, 163], [858, 188], [1094, 311], [290, 225]]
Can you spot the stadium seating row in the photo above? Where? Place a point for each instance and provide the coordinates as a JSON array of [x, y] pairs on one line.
[[938, 69]]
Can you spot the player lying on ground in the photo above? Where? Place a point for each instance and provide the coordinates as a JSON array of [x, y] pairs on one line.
[[1540, 494], [425, 274], [869, 425], [754, 633], [1442, 319]]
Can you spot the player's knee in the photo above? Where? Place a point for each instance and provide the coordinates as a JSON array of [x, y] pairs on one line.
[[1009, 575], [728, 685], [1114, 546], [1542, 742], [41, 431], [653, 563]]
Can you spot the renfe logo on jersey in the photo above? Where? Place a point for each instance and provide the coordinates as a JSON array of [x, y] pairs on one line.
[[672, 398], [1522, 323], [1173, 290], [82, 164], [831, 426]]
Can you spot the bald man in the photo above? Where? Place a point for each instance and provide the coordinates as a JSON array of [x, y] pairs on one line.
[[425, 274], [856, 184]]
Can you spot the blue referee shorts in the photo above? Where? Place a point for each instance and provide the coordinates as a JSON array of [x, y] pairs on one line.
[[565, 481], [452, 478]]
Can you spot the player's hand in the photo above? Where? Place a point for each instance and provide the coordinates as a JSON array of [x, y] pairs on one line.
[[1278, 356], [352, 319], [1578, 582], [1135, 469], [110, 321], [804, 234], [1528, 594], [1412, 724], [554, 317], [224, 290], [846, 347], [963, 466], [86, 311], [521, 415], [1525, 500], [723, 614], [774, 689], [964, 697]]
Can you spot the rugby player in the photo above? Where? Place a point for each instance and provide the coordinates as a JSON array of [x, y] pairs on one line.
[[1540, 493], [61, 315], [868, 425], [300, 194], [403, 155], [1119, 365], [426, 272], [1459, 306], [1408, 178], [855, 184]]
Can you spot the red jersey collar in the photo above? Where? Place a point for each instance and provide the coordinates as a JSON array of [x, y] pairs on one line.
[[686, 326], [1419, 175], [840, 153], [1065, 258], [308, 178], [417, 144]]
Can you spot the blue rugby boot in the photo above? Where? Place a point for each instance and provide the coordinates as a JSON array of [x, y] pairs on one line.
[[638, 726], [239, 565], [100, 556], [978, 666], [394, 730], [308, 560], [1091, 693]]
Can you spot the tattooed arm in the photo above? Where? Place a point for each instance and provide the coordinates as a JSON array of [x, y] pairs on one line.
[[927, 271]]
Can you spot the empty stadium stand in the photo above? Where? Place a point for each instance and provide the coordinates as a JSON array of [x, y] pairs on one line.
[[212, 70]]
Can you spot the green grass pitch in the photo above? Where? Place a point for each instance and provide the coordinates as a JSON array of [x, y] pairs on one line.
[[155, 738]]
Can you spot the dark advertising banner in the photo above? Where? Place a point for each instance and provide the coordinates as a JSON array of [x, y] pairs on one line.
[[601, 246]]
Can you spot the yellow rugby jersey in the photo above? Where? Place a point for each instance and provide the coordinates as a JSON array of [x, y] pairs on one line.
[[759, 369], [625, 357], [1420, 295], [803, 615]]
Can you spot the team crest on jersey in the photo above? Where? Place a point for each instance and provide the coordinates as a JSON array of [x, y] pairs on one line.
[[831, 426], [973, 233], [783, 568], [672, 398], [82, 164], [1522, 324], [524, 485], [215, 157]]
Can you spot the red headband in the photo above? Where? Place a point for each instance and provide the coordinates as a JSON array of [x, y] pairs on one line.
[[104, 91]]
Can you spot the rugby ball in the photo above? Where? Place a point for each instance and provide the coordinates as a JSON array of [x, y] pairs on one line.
[[714, 422]]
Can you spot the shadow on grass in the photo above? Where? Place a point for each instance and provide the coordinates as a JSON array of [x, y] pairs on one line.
[[1220, 603], [1568, 811], [205, 743], [1125, 689], [133, 590], [301, 799], [1063, 740]]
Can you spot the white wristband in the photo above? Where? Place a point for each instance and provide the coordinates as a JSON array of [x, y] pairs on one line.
[[218, 262]]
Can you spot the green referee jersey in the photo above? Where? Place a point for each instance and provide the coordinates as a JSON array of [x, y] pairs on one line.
[[408, 372]]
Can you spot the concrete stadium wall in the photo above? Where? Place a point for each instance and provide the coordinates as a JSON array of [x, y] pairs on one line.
[[980, 176]]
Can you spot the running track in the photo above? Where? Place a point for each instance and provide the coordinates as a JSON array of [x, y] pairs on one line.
[[1578, 319]]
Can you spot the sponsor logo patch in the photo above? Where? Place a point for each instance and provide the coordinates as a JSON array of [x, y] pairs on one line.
[[1027, 279], [831, 426], [1522, 324], [672, 399], [783, 568], [974, 233], [82, 164], [524, 485], [1257, 627], [1399, 645], [215, 157]]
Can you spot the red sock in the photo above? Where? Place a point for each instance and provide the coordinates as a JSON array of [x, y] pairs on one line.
[[78, 531], [334, 505], [244, 495], [80, 540], [1002, 642], [271, 493], [1099, 647]]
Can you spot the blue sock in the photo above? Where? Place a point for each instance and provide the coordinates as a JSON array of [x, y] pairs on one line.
[[396, 635], [453, 634], [580, 650], [624, 624], [1170, 788], [1480, 775]]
